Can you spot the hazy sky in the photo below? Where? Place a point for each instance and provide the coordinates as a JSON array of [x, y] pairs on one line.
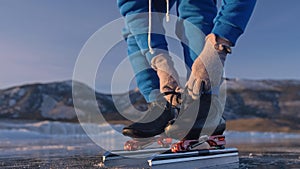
[[41, 39]]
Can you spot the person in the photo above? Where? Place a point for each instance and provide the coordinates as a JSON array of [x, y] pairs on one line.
[[206, 34]]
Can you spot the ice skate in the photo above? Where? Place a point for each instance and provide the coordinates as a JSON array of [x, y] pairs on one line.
[[192, 126]]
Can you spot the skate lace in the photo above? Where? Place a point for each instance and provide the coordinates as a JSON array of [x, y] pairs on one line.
[[187, 99], [177, 96]]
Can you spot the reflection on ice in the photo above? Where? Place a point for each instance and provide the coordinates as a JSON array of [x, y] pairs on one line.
[[259, 137], [56, 138]]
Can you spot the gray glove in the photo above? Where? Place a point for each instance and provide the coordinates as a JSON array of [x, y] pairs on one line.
[[168, 77], [207, 69]]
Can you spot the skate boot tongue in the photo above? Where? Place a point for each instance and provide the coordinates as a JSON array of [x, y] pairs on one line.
[[153, 123]]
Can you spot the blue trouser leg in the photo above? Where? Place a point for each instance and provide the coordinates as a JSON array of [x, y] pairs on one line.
[[146, 78], [195, 22], [136, 34], [137, 21]]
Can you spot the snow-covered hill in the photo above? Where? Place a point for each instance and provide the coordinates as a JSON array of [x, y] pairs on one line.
[[276, 100]]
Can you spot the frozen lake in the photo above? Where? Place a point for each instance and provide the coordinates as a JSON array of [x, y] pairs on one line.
[[65, 145]]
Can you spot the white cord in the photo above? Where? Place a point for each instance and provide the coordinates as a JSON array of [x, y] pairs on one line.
[[168, 11], [149, 29], [150, 22]]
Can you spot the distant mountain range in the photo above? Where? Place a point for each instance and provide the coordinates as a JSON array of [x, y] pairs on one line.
[[266, 105]]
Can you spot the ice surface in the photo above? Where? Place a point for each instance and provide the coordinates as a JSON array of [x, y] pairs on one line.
[[47, 138]]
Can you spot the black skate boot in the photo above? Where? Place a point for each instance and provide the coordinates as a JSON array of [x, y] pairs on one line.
[[193, 120], [158, 115]]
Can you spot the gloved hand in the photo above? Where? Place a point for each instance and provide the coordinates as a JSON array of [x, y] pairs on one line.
[[207, 69], [168, 77]]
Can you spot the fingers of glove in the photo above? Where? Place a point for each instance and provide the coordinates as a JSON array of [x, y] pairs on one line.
[[206, 85], [190, 85], [196, 91], [193, 88]]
